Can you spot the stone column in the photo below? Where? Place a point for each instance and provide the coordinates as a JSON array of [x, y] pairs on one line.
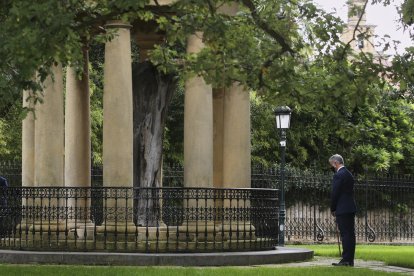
[[198, 126], [237, 161], [28, 142], [118, 124], [28, 155], [78, 144], [234, 129], [49, 147], [236, 139], [218, 129], [198, 146]]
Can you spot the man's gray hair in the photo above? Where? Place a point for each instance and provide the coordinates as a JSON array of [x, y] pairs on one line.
[[337, 158]]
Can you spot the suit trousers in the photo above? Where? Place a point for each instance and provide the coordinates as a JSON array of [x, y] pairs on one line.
[[346, 225]]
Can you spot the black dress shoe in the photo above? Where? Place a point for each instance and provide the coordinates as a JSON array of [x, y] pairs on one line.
[[343, 263]]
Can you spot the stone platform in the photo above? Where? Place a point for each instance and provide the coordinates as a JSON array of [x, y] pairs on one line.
[[277, 256]]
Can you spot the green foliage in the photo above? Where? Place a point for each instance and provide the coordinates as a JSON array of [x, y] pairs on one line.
[[265, 139], [254, 47], [376, 135], [96, 90], [403, 77], [408, 12], [10, 132], [173, 144], [288, 52], [383, 135], [36, 35]]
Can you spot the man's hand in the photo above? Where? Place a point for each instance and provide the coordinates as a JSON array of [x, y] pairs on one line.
[[333, 214]]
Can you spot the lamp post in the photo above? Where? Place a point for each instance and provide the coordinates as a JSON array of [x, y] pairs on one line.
[[282, 114]]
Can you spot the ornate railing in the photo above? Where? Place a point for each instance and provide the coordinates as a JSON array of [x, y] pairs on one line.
[[385, 203], [385, 206], [138, 219]]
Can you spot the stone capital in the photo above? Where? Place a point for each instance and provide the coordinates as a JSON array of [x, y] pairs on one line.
[[114, 24]]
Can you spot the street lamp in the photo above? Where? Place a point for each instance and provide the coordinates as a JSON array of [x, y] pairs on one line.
[[282, 114]]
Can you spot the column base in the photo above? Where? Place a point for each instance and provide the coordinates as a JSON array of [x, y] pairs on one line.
[[82, 230], [119, 227], [243, 230]]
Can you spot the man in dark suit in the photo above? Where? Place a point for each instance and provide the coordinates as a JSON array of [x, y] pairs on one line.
[[343, 207]]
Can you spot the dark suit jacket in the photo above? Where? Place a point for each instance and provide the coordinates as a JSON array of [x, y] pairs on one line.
[[342, 197]]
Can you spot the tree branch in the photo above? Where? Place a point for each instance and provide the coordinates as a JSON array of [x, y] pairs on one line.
[[266, 28], [347, 46]]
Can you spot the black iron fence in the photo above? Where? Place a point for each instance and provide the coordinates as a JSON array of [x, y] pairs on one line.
[[385, 202], [385, 205], [138, 219]]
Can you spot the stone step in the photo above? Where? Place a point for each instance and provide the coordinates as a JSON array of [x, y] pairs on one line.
[[138, 246]]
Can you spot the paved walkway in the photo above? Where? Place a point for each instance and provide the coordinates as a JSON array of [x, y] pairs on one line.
[[374, 265]]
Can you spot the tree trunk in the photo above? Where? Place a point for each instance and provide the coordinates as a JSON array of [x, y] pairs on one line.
[[152, 93]]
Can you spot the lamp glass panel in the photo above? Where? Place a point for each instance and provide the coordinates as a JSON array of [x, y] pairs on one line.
[[283, 121]]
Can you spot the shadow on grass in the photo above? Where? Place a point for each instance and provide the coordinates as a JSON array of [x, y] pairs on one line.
[[402, 256]]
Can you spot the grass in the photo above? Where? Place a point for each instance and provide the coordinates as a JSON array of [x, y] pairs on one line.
[[390, 254], [45, 270]]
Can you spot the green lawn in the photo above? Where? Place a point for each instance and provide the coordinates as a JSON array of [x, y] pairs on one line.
[[45, 270], [392, 255]]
